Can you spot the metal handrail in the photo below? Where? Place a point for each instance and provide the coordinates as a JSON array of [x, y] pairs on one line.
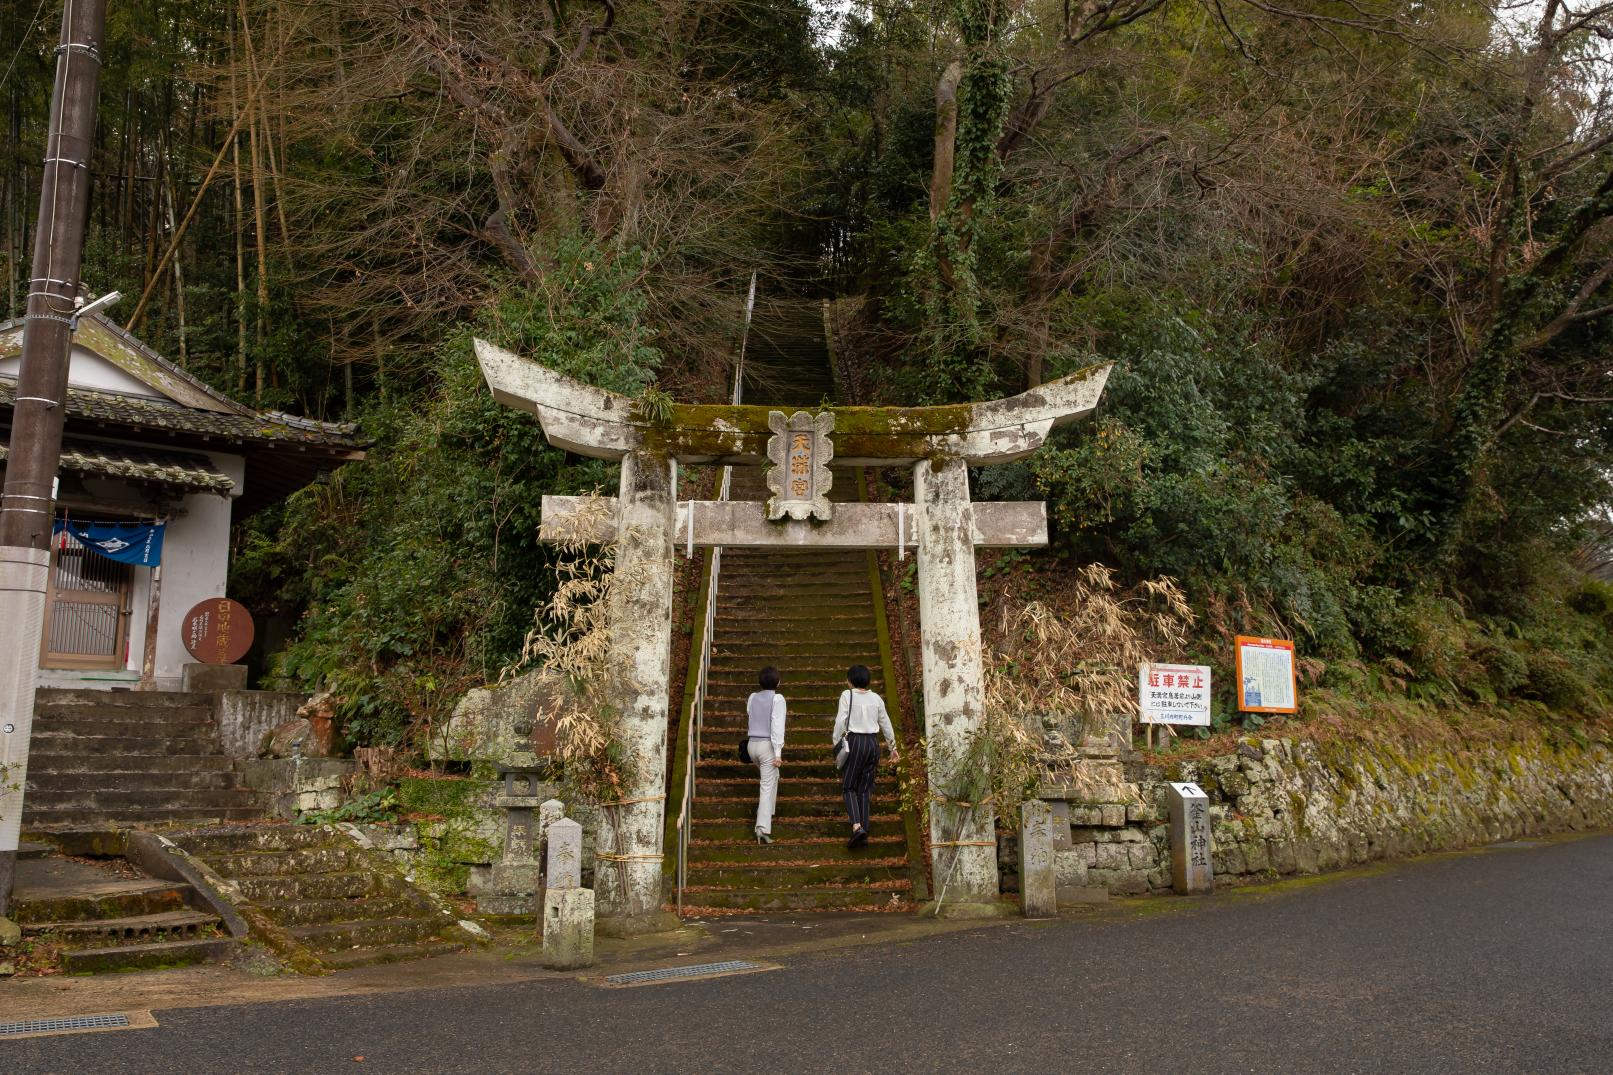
[[703, 671]]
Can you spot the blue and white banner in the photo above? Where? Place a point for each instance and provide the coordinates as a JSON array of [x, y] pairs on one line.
[[127, 543]]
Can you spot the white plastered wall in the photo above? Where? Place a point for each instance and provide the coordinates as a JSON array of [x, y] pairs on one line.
[[89, 370], [195, 566]]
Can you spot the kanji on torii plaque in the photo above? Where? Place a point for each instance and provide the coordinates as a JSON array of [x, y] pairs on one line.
[[938, 444], [799, 479]]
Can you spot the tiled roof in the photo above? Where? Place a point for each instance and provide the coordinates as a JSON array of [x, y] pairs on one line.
[[180, 470], [141, 413]]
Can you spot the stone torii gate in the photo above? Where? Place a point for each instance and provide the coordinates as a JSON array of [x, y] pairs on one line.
[[939, 443]]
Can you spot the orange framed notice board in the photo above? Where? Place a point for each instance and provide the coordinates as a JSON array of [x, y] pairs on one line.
[[1266, 680]]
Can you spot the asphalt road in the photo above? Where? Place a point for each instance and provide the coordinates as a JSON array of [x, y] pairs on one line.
[[1499, 961]]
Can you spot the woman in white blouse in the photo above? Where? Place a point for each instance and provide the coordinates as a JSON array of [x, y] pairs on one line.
[[859, 720], [764, 712]]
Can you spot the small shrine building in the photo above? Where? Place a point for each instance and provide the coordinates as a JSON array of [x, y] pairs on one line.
[[147, 443]]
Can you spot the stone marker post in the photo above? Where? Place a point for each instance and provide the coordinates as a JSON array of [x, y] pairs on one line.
[[568, 908], [1190, 839], [964, 860], [550, 811], [627, 871], [565, 854], [1038, 881]]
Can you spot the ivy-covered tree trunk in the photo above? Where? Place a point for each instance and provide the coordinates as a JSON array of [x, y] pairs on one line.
[[967, 130]]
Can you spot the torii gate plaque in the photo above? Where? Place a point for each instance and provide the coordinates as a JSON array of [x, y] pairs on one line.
[[939, 443]]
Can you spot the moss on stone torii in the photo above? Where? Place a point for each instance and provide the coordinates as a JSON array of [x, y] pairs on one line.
[[606, 425]]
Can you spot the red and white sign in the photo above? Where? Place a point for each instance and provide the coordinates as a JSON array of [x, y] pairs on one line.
[[1174, 694], [1266, 681]]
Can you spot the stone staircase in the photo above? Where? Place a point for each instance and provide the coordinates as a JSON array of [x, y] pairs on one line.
[[107, 918], [110, 758], [811, 613], [319, 899]]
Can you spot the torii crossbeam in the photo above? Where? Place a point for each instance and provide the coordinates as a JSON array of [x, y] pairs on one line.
[[942, 526]]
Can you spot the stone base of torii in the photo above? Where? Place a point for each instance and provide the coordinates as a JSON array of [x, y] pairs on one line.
[[942, 526]]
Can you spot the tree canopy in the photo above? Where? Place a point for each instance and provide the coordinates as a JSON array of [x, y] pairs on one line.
[[1354, 260]]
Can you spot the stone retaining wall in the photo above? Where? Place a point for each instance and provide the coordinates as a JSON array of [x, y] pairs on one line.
[[1281, 806]]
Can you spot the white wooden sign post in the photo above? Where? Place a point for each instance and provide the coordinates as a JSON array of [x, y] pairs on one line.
[[1173, 694]]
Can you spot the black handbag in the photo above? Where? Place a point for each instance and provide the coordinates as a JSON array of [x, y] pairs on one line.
[[744, 749]]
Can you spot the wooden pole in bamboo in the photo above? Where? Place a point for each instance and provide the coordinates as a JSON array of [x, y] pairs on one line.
[[27, 504]]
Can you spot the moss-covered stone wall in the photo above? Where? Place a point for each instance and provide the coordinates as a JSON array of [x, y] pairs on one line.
[[1282, 806]]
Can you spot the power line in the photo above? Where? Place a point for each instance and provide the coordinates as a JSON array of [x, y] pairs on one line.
[[23, 43]]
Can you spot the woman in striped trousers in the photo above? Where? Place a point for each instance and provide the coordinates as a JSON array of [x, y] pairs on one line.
[[859, 720]]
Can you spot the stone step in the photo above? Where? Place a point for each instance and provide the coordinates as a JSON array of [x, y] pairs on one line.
[[97, 713], [47, 820], [48, 697], [309, 912], [804, 807], [116, 746], [740, 682], [129, 957], [747, 612], [791, 572], [816, 849], [130, 780], [787, 828], [816, 592], [286, 888], [203, 738], [317, 859], [808, 624], [146, 763], [791, 786], [363, 933], [388, 953], [27, 851], [800, 873], [758, 558], [140, 929], [889, 896], [105, 900], [113, 800], [240, 838]]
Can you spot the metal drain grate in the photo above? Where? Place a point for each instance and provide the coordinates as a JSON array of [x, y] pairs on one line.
[[698, 970], [74, 1022]]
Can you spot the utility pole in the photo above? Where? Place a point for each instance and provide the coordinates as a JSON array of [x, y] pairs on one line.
[[26, 507]]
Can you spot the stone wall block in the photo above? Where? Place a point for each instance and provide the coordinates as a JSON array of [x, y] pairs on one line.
[[1112, 857], [1069, 868]]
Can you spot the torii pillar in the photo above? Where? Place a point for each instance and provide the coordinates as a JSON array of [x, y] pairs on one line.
[[939, 443]]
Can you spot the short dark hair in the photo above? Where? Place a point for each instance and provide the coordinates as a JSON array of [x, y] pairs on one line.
[[768, 678], [858, 675]]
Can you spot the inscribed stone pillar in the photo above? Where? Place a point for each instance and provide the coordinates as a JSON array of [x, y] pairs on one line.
[[565, 854], [1038, 883], [1191, 871], [964, 857], [627, 872]]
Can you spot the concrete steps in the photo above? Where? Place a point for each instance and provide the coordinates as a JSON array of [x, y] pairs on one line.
[[98, 918], [120, 758], [811, 613], [329, 902]]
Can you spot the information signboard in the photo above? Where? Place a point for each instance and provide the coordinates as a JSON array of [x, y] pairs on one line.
[[217, 631], [1266, 682], [1174, 694]]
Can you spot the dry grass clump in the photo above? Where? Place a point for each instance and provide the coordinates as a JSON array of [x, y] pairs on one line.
[[569, 645], [1063, 668]]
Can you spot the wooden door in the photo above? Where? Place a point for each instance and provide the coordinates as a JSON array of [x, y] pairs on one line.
[[87, 608]]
